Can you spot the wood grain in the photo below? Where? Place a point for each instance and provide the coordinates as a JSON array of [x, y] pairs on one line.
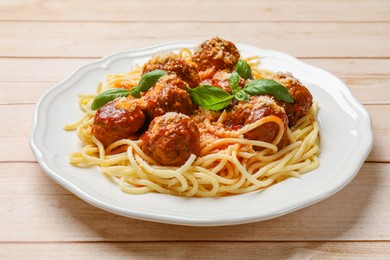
[[67, 39], [198, 250], [43, 42], [45, 211], [55, 69], [195, 10]]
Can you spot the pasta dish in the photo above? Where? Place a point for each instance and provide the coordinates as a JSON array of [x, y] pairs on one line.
[[199, 123]]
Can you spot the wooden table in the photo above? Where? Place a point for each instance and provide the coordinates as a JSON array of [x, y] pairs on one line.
[[42, 42]]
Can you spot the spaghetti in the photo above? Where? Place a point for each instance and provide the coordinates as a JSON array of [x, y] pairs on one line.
[[228, 163]]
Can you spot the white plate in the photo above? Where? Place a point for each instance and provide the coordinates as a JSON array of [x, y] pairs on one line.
[[345, 141]]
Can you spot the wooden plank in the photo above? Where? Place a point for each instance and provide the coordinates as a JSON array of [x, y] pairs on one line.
[[26, 69], [359, 212], [24, 92], [46, 40], [57, 69], [54, 70], [40, 70], [14, 138], [352, 68], [229, 11], [381, 125], [30, 78], [369, 90], [198, 250], [68, 39]]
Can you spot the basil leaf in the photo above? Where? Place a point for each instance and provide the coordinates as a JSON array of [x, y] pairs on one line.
[[244, 70], [135, 92], [242, 96], [210, 97], [268, 86], [147, 81], [107, 96], [234, 81], [150, 79]]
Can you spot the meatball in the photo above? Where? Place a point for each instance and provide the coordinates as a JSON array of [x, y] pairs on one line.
[[214, 55], [171, 139], [257, 108], [302, 97], [173, 79], [174, 64], [168, 95], [117, 119]]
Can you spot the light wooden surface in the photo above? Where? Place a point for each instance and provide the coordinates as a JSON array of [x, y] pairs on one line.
[[42, 42]]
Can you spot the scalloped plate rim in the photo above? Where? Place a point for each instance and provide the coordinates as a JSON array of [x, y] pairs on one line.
[[204, 220]]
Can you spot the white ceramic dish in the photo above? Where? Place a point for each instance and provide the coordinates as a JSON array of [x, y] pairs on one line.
[[345, 134]]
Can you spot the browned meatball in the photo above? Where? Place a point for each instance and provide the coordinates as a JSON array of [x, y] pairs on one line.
[[302, 97], [257, 108], [168, 95], [173, 79], [174, 64], [117, 119], [214, 55], [171, 139]]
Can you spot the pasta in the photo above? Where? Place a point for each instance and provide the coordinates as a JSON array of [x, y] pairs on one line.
[[227, 164]]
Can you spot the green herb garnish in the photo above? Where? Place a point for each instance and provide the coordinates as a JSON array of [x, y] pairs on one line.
[[213, 98], [210, 97], [107, 96], [244, 70], [234, 81], [147, 81], [268, 86]]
